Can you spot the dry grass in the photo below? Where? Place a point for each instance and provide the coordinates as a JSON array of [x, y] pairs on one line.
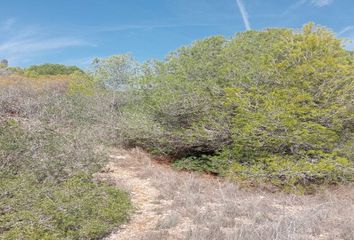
[[48, 139], [60, 129], [37, 83], [197, 207]]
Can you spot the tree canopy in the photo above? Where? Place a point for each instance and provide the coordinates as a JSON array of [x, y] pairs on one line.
[[272, 105]]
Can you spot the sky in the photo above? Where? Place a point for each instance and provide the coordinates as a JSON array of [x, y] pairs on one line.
[[74, 32]]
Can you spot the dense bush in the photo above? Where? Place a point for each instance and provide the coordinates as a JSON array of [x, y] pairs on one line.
[[50, 145], [76, 208], [45, 152], [271, 105], [180, 107], [51, 69]]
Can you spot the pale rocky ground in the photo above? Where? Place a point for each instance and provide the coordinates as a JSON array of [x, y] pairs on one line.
[[180, 205]]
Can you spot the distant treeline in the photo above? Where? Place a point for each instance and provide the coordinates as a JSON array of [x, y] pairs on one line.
[[48, 69]]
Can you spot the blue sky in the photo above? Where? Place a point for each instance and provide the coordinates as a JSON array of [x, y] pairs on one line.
[[76, 31]]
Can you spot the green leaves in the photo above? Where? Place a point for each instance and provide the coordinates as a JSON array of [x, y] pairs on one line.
[[290, 106], [116, 72], [51, 69], [76, 208], [276, 96]]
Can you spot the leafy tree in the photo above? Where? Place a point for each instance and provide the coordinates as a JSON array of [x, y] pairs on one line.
[[272, 105], [180, 95], [295, 105], [116, 72]]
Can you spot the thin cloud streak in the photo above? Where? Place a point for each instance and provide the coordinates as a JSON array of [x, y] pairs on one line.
[[294, 7], [22, 50], [38, 45], [120, 28], [19, 44], [347, 34], [244, 14], [346, 30], [300, 3], [348, 42], [321, 3]]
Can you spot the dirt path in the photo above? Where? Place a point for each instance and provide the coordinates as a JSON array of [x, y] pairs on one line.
[[143, 196], [173, 205]]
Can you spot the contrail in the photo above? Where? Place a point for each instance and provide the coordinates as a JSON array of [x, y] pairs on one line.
[[244, 14]]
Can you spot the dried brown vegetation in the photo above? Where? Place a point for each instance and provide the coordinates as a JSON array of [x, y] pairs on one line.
[[48, 153], [197, 207]]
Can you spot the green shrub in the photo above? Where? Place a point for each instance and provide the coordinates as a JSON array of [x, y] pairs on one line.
[[76, 208], [196, 163], [49, 149], [16, 70], [14, 142], [82, 83], [295, 174], [51, 69], [278, 95], [48, 154], [180, 98]]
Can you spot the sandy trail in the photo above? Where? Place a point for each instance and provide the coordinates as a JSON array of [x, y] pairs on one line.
[[143, 194], [173, 205]]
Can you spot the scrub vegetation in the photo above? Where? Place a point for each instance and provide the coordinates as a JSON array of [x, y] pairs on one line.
[[268, 109], [265, 106], [51, 144]]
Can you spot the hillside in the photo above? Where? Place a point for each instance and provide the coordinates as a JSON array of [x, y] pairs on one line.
[[243, 138]]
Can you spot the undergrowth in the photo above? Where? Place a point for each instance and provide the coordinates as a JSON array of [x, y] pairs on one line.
[[49, 149], [75, 208]]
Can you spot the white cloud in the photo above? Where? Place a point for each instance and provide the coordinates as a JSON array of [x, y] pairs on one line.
[[244, 14], [321, 3], [33, 45], [19, 44], [300, 3]]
